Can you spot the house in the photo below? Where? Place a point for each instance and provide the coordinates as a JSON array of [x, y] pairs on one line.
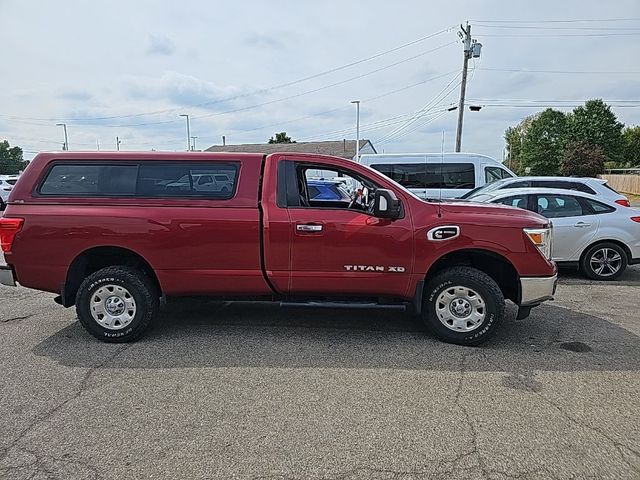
[[340, 148]]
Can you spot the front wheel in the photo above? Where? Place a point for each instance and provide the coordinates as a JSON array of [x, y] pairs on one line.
[[117, 304], [463, 305]]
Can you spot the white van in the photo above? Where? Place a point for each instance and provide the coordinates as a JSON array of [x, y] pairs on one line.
[[438, 175]]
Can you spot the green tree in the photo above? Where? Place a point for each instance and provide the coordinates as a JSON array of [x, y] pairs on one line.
[[631, 148], [596, 124], [514, 136], [11, 161], [583, 159], [281, 138], [544, 142]]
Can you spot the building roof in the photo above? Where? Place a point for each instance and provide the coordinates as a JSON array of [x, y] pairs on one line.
[[340, 148]]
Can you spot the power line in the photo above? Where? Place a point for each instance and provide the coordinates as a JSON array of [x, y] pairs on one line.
[[357, 77], [589, 72], [538, 27], [554, 35], [549, 101], [175, 140], [546, 105], [255, 92], [367, 100], [385, 122], [416, 127], [584, 20], [444, 93], [289, 97]]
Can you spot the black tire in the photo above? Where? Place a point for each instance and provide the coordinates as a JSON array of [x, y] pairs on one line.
[[2, 205], [587, 267], [492, 299], [140, 287]]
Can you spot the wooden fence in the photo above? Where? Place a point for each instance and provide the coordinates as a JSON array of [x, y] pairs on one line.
[[623, 183]]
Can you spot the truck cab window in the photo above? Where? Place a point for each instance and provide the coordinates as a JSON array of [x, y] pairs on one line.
[[321, 188]]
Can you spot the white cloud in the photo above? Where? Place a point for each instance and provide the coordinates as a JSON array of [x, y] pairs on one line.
[[160, 45], [85, 59]]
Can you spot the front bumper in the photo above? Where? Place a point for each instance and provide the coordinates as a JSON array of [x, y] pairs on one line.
[[535, 290], [6, 276]]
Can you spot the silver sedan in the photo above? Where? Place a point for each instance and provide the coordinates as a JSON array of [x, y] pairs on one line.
[[596, 235]]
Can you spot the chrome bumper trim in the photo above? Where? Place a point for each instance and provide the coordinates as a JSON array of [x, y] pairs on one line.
[[6, 276], [534, 290]]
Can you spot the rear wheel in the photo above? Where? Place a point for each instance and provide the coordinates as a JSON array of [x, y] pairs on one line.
[[604, 261], [117, 304], [463, 305]]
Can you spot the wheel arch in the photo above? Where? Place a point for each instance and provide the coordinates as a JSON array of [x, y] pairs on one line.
[[621, 244], [95, 258], [497, 266]]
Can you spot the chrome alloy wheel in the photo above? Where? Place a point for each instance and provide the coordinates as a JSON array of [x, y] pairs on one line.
[[113, 307], [460, 309], [605, 262]]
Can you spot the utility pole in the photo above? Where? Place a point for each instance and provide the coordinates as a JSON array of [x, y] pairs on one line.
[[65, 145], [357, 102], [224, 140], [98, 144], [118, 142], [188, 131], [193, 143], [471, 50]]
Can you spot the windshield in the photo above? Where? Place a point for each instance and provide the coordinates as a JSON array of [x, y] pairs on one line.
[[490, 187], [396, 184], [481, 198]]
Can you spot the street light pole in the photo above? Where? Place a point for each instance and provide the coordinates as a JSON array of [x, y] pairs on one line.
[[65, 146], [193, 143], [357, 102], [188, 131], [118, 142]]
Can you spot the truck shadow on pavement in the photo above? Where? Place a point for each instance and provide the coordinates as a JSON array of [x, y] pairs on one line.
[[223, 335]]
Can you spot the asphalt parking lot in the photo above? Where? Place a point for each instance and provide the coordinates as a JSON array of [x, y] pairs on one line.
[[245, 391]]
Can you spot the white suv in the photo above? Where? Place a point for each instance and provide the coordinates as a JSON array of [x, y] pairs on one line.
[[599, 236], [6, 184], [593, 186]]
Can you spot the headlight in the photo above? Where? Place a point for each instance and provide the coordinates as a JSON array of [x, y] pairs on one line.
[[541, 238]]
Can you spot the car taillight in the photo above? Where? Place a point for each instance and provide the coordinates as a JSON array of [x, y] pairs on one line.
[[624, 202], [636, 219], [9, 227]]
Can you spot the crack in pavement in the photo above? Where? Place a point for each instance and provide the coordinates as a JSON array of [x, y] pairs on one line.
[[528, 385], [472, 428], [17, 319], [82, 386], [41, 461]]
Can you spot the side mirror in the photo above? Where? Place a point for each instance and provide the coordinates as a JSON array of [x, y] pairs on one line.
[[386, 204]]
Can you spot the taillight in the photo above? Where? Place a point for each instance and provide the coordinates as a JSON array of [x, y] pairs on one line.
[[636, 219], [624, 202], [9, 227]]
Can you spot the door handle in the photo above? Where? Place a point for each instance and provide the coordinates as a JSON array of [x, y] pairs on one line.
[[308, 228], [582, 225]]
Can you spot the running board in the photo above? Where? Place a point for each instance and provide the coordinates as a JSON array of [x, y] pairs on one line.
[[349, 305]]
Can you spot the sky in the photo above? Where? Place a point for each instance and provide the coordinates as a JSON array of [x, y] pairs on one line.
[[247, 69]]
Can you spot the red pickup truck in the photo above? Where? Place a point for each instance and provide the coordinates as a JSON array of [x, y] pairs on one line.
[[116, 233]]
